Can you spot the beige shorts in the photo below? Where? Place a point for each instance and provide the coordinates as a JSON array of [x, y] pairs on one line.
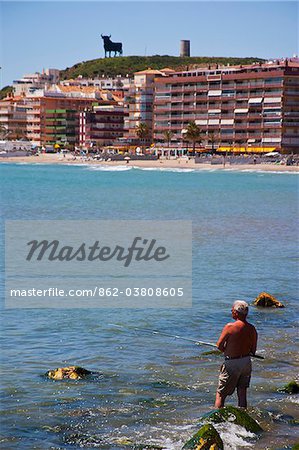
[[234, 373]]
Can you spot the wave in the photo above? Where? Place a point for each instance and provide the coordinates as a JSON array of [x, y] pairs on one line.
[[234, 436], [279, 172], [165, 169], [109, 168], [75, 164]]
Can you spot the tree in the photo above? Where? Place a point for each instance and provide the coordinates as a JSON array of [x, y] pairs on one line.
[[19, 134], [142, 131], [212, 138], [167, 136], [4, 132], [5, 91], [193, 134]]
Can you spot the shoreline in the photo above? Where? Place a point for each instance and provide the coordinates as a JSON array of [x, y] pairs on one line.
[[149, 164]]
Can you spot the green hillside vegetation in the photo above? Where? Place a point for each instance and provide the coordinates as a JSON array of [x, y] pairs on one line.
[[127, 65], [5, 91]]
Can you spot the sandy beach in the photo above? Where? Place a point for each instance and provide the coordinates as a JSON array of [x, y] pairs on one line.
[[162, 163]]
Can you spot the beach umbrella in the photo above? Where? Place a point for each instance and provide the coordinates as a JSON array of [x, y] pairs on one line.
[[127, 158]]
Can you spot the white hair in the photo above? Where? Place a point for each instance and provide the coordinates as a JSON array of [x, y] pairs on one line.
[[241, 307]]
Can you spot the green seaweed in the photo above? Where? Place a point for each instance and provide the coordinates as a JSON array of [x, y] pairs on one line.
[[235, 415], [290, 388], [204, 439], [153, 402]]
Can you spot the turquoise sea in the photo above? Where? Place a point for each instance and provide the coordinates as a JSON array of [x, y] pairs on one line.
[[152, 389]]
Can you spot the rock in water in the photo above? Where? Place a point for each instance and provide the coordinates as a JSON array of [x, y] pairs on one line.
[[72, 373], [290, 388], [207, 438], [234, 415], [267, 300]]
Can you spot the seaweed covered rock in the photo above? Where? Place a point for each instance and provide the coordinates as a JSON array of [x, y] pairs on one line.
[[266, 300], [290, 388], [72, 373], [207, 438], [234, 415]]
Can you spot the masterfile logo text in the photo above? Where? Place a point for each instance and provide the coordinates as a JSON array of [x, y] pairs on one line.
[[70, 264]]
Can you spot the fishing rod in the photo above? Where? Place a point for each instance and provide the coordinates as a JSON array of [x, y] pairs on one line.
[[195, 341]]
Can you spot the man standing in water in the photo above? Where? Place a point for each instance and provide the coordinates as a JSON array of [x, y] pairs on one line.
[[237, 341]]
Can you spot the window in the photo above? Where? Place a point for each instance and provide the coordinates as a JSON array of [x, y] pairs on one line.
[[273, 80], [227, 131], [228, 93]]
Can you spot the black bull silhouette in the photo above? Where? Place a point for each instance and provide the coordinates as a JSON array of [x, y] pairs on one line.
[[110, 46]]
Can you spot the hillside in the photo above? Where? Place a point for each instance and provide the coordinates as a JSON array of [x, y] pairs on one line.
[[5, 91], [127, 65]]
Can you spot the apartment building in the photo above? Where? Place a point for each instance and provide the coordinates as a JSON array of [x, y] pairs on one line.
[[13, 118], [30, 83], [103, 125], [118, 83], [140, 100], [52, 116], [245, 108]]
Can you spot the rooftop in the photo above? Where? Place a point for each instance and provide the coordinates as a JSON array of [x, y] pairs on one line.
[[217, 69]]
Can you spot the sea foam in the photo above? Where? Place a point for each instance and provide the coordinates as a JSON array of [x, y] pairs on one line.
[[109, 168]]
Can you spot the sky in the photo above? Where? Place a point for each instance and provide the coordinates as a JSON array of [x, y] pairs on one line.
[[40, 34]]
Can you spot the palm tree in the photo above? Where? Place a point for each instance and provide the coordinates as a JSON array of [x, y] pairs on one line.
[[19, 134], [193, 134], [142, 131], [167, 136], [212, 138], [4, 132]]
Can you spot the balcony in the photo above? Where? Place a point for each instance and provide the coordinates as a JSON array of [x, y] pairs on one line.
[[291, 124], [33, 128], [184, 89], [292, 92], [162, 101], [187, 98], [239, 135], [268, 128], [33, 119], [253, 85], [241, 126], [273, 85], [254, 126], [227, 116]]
